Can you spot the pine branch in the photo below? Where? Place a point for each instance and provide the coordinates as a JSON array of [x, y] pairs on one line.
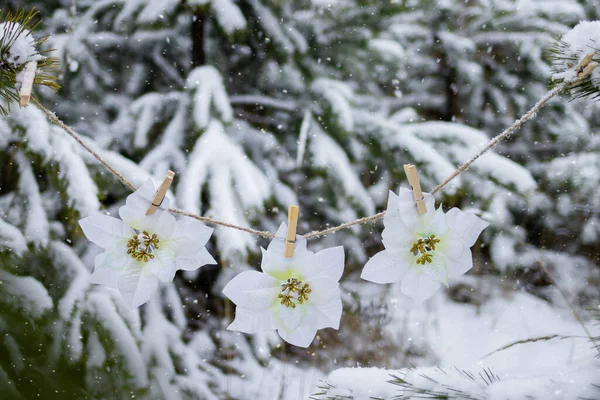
[[414, 391], [532, 340], [446, 391], [563, 59], [15, 27]]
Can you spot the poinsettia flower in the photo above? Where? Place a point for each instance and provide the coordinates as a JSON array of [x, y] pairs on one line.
[[423, 251], [140, 250], [297, 296]]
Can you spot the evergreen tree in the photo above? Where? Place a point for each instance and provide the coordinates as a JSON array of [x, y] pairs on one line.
[[257, 104]]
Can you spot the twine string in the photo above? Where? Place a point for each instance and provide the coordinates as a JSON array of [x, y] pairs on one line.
[[314, 234]]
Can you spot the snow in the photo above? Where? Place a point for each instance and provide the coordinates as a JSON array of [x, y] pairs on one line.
[[303, 137], [338, 95], [318, 104], [408, 138], [21, 47], [503, 251], [361, 383], [234, 182], [129, 169], [268, 379], [328, 154], [103, 311], [505, 171], [591, 231], [81, 189], [74, 270], [36, 229], [168, 151], [25, 293], [584, 38], [146, 109], [387, 48], [155, 10], [228, 15], [209, 89], [467, 142], [96, 356], [12, 237], [35, 128], [272, 27], [463, 338]]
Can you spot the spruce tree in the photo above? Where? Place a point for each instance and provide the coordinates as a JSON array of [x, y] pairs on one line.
[[258, 104]]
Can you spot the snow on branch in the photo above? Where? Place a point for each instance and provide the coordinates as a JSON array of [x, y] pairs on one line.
[[575, 57], [18, 47], [209, 90]]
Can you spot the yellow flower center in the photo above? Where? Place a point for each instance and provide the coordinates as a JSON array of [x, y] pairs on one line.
[[424, 246], [293, 291], [142, 245]]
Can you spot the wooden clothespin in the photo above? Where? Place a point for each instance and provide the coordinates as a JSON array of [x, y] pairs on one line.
[[290, 238], [415, 185], [161, 193], [585, 66], [27, 83]]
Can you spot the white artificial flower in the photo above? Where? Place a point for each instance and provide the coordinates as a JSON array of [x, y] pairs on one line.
[[297, 296], [140, 250], [423, 251]]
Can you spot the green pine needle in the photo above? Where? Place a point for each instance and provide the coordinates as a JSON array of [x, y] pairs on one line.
[[17, 25], [563, 58]]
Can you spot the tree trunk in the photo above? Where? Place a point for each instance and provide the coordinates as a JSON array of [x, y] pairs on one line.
[[198, 33]]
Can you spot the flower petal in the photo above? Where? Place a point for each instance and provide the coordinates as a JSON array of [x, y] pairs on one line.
[[392, 213], [465, 226], [383, 268], [106, 276], [328, 262], [407, 207], [431, 223], [249, 321], [437, 270], [277, 245], [418, 286], [138, 202], [137, 285], [203, 257], [301, 337], [188, 236], [289, 319], [276, 264], [161, 222], [453, 248], [163, 264], [107, 232], [252, 290], [116, 258], [397, 237], [396, 231], [325, 303], [460, 265]]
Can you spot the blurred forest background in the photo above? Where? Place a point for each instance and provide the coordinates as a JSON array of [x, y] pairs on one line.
[[257, 104]]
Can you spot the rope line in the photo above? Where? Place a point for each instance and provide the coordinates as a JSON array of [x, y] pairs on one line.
[[314, 234]]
